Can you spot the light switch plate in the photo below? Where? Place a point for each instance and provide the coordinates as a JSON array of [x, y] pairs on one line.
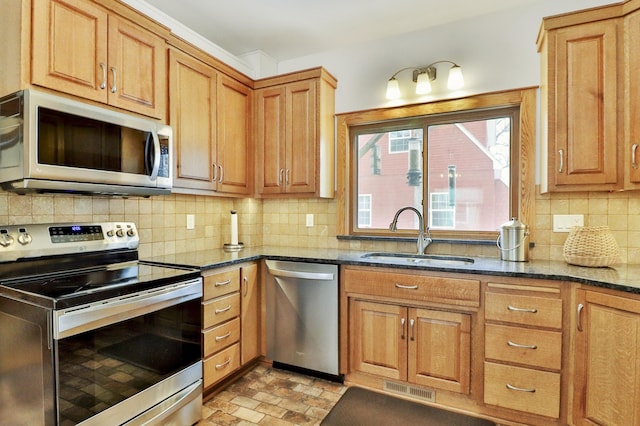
[[309, 220], [564, 222], [191, 221]]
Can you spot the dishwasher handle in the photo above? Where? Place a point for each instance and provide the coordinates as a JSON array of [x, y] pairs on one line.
[[321, 276]]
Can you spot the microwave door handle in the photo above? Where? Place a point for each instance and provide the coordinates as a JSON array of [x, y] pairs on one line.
[[152, 158]]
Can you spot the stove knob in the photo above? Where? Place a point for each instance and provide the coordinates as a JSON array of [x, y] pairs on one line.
[[131, 232], [5, 240], [24, 238], [120, 233], [110, 233]]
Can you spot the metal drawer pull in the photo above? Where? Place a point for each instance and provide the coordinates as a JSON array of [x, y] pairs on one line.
[[402, 321], [518, 345], [221, 283], [515, 388], [407, 287], [529, 310], [224, 336], [219, 311], [224, 364]]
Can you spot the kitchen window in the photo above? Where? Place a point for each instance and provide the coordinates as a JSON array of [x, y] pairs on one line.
[[464, 166]]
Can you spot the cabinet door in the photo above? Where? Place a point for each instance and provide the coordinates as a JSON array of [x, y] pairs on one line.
[[607, 360], [270, 140], [193, 112], [440, 349], [301, 152], [137, 69], [250, 313], [70, 47], [631, 156], [378, 339], [234, 137], [586, 113]]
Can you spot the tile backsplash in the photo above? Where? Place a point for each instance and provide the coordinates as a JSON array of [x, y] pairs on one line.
[[161, 221]]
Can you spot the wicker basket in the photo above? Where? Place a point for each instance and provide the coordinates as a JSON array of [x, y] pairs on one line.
[[592, 246]]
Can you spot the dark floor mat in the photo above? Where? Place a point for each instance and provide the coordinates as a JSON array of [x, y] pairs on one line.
[[361, 407], [156, 353]]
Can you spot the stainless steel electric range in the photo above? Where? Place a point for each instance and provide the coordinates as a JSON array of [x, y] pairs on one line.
[[89, 334]]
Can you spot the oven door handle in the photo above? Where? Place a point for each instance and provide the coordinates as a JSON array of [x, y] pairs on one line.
[[78, 319]]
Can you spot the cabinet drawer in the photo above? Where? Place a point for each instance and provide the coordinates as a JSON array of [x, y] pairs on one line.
[[537, 348], [220, 337], [529, 310], [220, 365], [219, 310], [523, 389], [452, 291], [221, 283]]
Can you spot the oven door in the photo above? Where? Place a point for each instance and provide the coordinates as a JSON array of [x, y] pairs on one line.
[[134, 357]]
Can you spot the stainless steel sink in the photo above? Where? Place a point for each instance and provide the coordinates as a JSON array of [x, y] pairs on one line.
[[424, 259]]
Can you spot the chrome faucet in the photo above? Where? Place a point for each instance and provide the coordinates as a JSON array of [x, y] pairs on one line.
[[423, 240]]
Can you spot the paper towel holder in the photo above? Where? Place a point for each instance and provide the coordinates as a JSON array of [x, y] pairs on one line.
[[234, 245]]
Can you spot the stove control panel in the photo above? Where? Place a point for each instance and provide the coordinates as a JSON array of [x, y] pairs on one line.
[[35, 240]]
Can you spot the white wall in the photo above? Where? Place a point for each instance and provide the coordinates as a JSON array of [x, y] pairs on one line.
[[496, 51]]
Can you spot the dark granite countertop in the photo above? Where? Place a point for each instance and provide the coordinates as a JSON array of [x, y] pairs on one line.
[[622, 277]]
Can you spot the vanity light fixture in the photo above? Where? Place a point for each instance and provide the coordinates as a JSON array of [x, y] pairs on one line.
[[423, 76]]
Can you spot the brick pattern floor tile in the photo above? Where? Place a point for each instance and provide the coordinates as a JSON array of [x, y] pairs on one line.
[[272, 397]]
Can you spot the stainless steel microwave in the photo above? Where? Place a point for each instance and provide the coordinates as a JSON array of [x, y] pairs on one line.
[[50, 143]]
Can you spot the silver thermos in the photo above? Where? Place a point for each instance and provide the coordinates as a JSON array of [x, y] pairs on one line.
[[513, 241]]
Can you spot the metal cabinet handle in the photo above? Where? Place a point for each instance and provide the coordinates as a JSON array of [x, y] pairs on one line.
[[114, 86], [411, 323], [224, 364], [215, 172], [224, 336], [280, 177], [103, 85], [580, 309], [515, 388], [221, 173], [246, 285], [518, 345], [221, 283], [402, 321], [287, 173], [528, 310], [561, 154], [223, 310], [634, 148], [407, 287]]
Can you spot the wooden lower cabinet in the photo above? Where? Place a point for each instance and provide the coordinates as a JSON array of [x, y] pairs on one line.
[[230, 321], [607, 359]]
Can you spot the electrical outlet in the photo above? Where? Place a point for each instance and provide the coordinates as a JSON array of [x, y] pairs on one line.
[[309, 220], [564, 222], [191, 221]]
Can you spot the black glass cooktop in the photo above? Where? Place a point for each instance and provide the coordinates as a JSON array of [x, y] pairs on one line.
[[59, 283]]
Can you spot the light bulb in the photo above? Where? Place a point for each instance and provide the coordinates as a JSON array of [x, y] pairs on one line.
[[423, 85], [456, 81], [393, 89]]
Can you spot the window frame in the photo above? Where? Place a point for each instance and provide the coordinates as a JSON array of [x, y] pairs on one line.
[[522, 156]]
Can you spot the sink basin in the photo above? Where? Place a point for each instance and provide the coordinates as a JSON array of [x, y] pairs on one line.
[[424, 259]]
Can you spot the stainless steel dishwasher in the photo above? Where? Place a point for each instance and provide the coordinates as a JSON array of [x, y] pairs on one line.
[[302, 315]]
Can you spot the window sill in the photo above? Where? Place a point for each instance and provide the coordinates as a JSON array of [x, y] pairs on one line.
[[412, 240]]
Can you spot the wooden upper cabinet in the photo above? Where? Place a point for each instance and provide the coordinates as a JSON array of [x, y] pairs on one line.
[[84, 50], [295, 134], [234, 149], [580, 105], [192, 87], [631, 154]]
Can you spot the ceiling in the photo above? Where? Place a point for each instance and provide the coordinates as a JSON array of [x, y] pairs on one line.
[[285, 29]]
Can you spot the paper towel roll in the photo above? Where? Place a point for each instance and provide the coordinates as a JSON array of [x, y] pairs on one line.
[[234, 227]]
